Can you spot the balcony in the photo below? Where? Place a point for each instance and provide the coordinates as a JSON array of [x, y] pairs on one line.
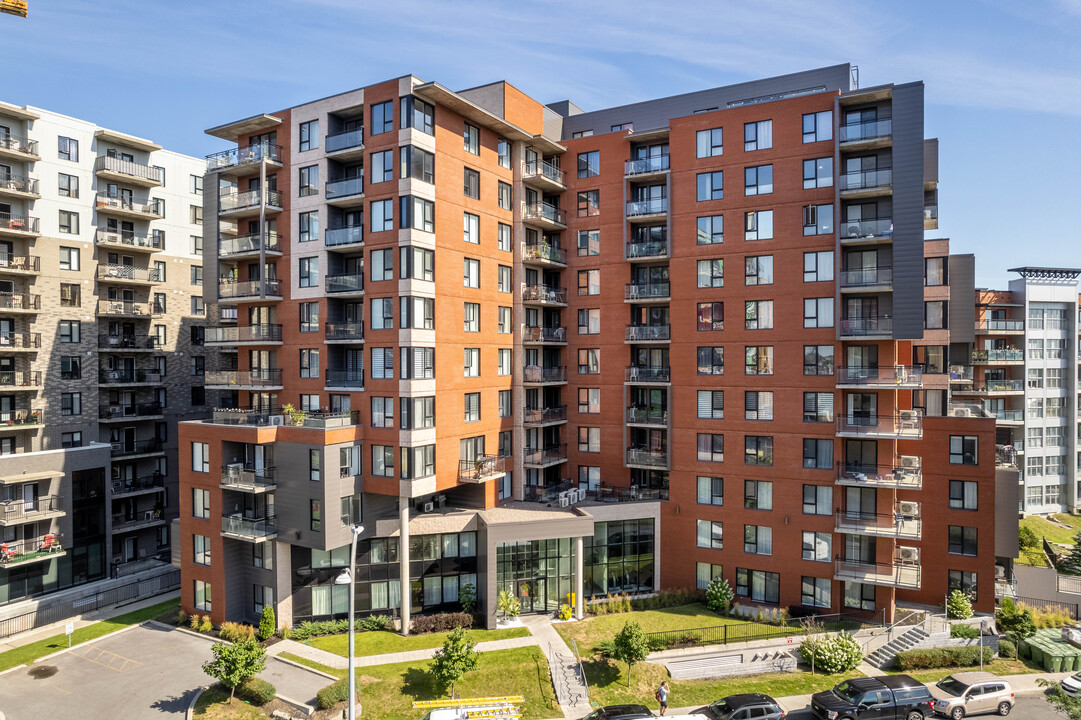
[[12, 421], [994, 357], [19, 264], [544, 254], [18, 148], [246, 335], [345, 192], [26, 552], [648, 333], [344, 332], [130, 343], [544, 295], [120, 413], [329, 420], [897, 525], [650, 415], [128, 172], [249, 245], [537, 375], [909, 477], [124, 208], [16, 512], [130, 377], [646, 374], [23, 379], [539, 335], [865, 184], [128, 275], [352, 284], [995, 387], [866, 232], [898, 575], [19, 186], [544, 215], [878, 279], [646, 166], [645, 250], [886, 378], [345, 145], [253, 530], [127, 308], [906, 425], [20, 302], [137, 448], [346, 379], [543, 175], [645, 457], [238, 161], [250, 290], [1008, 417], [19, 341], [259, 379], [550, 493], [244, 478], [139, 486], [1001, 327], [248, 203], [544, 416], [647, 209], [930, 217], [18, 226], [482, 468], [139, 521], [866, 135], [347, 235], [544, 457], [647, 292], [880, 326], [131, 242]]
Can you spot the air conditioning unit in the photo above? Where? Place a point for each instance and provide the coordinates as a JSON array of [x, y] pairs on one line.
[[428, 507], [1000, 572], [961, 412], [563, 501], [277, 419], [908, 416], [908, 508], [908, 554], [910, 462]]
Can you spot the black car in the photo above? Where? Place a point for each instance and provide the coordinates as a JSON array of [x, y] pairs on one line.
[[890, 697], [748, 706], [619, 712]]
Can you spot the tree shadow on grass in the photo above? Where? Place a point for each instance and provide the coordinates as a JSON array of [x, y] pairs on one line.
[[600, 672], [420, 685]]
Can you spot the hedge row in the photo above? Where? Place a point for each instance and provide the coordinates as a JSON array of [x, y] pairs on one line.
[[943, 657], [441, 622]]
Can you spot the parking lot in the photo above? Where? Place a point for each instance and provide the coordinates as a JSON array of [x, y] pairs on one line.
[[147, 672]]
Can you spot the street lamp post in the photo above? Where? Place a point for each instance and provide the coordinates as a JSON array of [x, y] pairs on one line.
[[347, 577]]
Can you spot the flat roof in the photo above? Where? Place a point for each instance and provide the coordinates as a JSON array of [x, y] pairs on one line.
[[119, 138], [1046, 272], [15, 111], [31, 477], [233, 130]]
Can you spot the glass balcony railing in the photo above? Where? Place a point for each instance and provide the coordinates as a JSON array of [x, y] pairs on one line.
[[243, 156], [905, 424], [649, 373], [352, 378], [638, 333], [889, 376], [647, 415], [1017, 326], [858, 229], [265, 377], [544, 294], [866, 180], [654, 206], [230, 289], [345, 140], [648, 457], [648, 249], [344, 187], [546, 170], [899, 574], [867, 277], [874, 325], [345, 283], [544, 251], [481, 468], [870, 130], [250, 528], [247, 244], [658, 163], [127, 239], [1003, 355], [137, 447], [350, 235], [108, 272], [542, 211], [544, 456], [538, 374], [647, 291], [344, 331], [247, 333], [129, 342], [239, 476], [234, 201], [903, 525], [907, 475]]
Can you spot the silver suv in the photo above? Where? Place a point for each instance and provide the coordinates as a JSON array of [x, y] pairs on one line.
[[972, 693]]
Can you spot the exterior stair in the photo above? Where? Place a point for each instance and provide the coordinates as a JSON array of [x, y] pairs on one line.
[[883, 656]]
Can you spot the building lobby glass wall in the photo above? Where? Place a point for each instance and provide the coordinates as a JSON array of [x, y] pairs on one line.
[[619, 558], [540, 573]]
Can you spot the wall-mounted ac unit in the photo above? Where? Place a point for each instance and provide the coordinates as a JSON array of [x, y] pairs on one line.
[[1000, 572], [429, 506], [908, 507], [908, 416], [908, 554], [961, 412], [910, 462], [277, 419]]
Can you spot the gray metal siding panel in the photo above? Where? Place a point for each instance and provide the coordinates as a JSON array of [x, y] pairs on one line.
[[656, 113], [1006, 544], [930, 160], [962, 269], [908, 211]]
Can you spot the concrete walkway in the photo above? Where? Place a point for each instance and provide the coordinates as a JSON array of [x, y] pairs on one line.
[[342, 663], [571, 692]]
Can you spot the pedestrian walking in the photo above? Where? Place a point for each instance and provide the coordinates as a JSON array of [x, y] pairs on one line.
[[662, 696]]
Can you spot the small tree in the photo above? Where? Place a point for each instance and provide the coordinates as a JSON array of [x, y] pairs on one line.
[[1068, 706], [958, 606], [508, 604], [832, 653], [467, 596], [1016, 624], [630, 646], [233, 664], [1026, 537], [457, 657], [1070, 563], [719, 595], [267, 623]]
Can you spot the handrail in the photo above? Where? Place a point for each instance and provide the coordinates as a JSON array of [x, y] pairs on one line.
[[129, 167]]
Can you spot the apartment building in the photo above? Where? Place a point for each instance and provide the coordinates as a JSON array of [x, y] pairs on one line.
[[1022, 368], [430, 279], [100, 286]]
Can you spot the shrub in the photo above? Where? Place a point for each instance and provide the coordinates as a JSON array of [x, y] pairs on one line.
[[1026, 537], [1047, 616], [467, 596], [235, 632], [943, 657], [672, 597], [958, 606], [508, 604], [285, 632], [205, 624], [336, 692], [195, 622], [960, 630], [374, 623], [1006, 649], [256, 691], [267, 623], [831, 653], [310, 629], [719, 595], [182, 618], [566, 612], [441, 622]]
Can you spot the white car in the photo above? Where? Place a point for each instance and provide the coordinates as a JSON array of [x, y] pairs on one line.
[[1072, 685]]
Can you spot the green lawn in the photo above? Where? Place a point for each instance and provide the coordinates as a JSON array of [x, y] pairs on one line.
[[1033, 557], [29, 653], [388, 691], [998, 666], [1053, 532], [214, 704], [379, 642]]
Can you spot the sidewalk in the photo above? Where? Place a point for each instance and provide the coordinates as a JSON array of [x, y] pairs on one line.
[[571, 692], [341, 663]]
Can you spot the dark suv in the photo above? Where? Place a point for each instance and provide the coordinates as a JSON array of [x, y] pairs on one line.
[[891, 697], [619, 712], [748, 706]]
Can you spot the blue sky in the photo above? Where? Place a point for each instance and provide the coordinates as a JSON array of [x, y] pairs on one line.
[[1003, 87]]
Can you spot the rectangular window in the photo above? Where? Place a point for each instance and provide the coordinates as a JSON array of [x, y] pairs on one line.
[[589, 242], [383, 314], [710, 142], [758, 315], [309, 135], [818, 266], [815, 592], [758, 180], [589, 439], [818, 126], [589, 282], [758, 135], [68, 149], [589, 203], [418, 115], [711, 404], [758, 360], [817, 453], [69, 295], [70, 368], [309, 317], [69, 258], [382, 363], [383, 460], [818, 312], [417, 214], [589, 321], [202, 549], [817, 359], [67, 440], [69, 185], [757, 495], [309, 363], [758, 405], [589, 164], [504, 320], [308, 224], [472, 362], [472, 184], [71, 403], [504, 403], [711, 360], [309, 180], [197, 275], [818, 219], [472, 273], [758, 450], [471, 228], [503, 358], [758, 270], [711, 273], [504, 197], [382, 212], [934, 271], [417, 264], [200, 457], [381, 165], [711, 230], [758, 585], [710, 447], [472, 407], [309, 272], [198, 307], [705, 573], [472, 317], [315, 512], [758, 225], [315, 465], [70, 331], [589, 361], [710, 186], [710, 534], [503, 153], [383, 411], [757, 540], [817, 500], [818, 173], [202, 596], [818, 407], [934, 315], [817, 546], [963, 449], [504, 237], [962, 540], [710, 490], [471, 133], [589, 400], [710, 316], [963, 495]]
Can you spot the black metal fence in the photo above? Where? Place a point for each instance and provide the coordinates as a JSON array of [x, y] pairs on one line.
[[49, 613], [1071, 608], [721, 635]]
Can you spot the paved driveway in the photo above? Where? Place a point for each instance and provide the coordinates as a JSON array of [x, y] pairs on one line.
[[147, 672]]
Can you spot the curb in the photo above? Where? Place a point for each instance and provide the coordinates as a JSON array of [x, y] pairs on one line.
[[294, 663], [307, 709], [194, 699], [79, 644], [11, 670]]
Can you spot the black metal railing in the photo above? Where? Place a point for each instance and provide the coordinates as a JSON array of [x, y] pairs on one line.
[[18, 223], [344, 330], [538, 374], [19, 301], [538, 333], [18, 144], [137, 447], [649, 373], [545, 455], [14, 340], [646, 249], [16, 418], [20, 378], [126, 238], [345, 378], [880, 475], [533, 416], [129, 342], [19, 183], [108, 272], [120, 203], [130, 168], [139, 484], [647, 291], [481, 468], [866, 277], [641, 333], [721, 635], [1001, 325], [647, 415], [122, 376], [123, 412], [124, 307], [544, 251], [544, 294]]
